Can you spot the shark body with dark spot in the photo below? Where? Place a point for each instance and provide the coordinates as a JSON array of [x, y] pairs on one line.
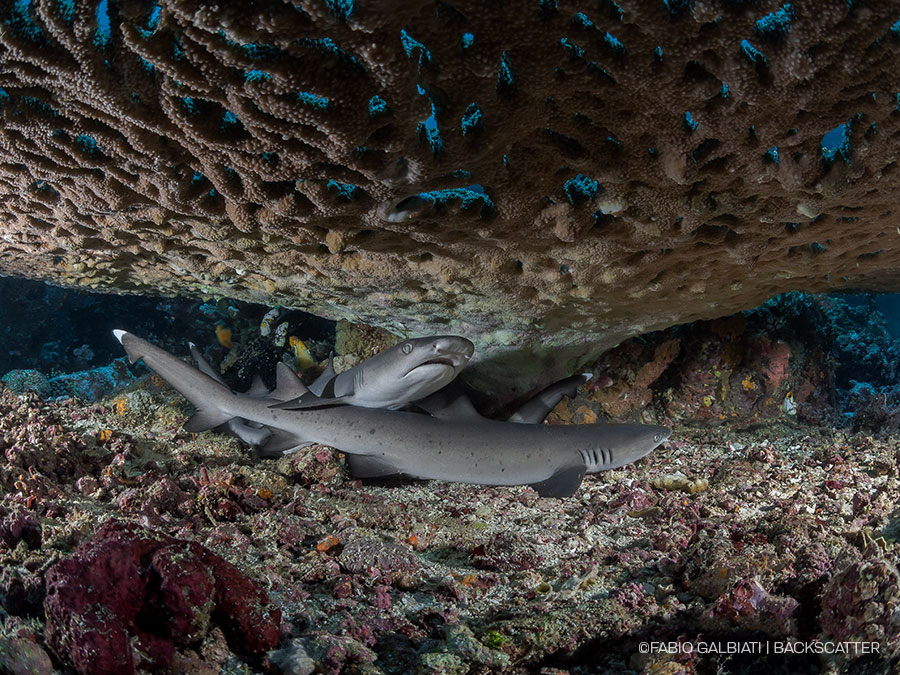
[[392, 378], [550, 458]]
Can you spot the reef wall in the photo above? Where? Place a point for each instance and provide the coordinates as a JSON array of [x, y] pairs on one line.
[[543, 174]]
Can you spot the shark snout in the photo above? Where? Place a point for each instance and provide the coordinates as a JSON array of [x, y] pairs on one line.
[[657, 435], [451, 349]]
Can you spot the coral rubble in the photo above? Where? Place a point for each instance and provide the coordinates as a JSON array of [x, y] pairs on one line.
[[756, 524]]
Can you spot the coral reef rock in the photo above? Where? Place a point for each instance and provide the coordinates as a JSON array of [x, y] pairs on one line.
[[560, 175], [128, 597]]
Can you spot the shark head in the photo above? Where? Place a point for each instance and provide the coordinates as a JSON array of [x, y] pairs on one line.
[[414, 368], [425, 365], [441, 356], [623, 444]]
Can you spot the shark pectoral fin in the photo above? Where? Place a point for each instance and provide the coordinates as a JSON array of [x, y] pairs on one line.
[[563, 483], [205, 419], [274, 454], [281, 443], [251, 435], [309, 400], [368, 466]]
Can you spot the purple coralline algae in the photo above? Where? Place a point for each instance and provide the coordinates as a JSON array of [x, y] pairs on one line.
[[750, 606], [862, 603], [128, 596]]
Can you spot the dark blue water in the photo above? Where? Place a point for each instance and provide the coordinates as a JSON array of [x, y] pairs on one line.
[[61, 330]]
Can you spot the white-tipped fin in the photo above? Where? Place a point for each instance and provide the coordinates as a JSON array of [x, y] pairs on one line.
[[133, 348]]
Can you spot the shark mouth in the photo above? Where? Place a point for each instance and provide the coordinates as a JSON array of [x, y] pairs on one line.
[[454, 361], [445, 361]]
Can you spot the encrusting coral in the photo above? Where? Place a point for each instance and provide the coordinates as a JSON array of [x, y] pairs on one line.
[[533, 176], [125, 599]]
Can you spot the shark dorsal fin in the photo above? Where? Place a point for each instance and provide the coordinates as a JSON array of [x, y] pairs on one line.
[[287, 384], [327, 376], [257, 388]]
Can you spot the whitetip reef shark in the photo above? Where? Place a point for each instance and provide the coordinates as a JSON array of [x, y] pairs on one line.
[[407, 371], [410, 370], [552, 459]]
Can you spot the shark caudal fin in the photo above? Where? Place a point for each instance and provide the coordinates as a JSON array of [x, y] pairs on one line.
[[536, 409], [203, 391], [130, 348]]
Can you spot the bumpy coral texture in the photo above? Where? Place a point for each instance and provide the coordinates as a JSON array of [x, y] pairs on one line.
[[127, 597], [860, 603], [607, 168]]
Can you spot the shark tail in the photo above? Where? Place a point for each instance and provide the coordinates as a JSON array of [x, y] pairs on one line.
[[204, 392], [131, 349], [536, 409]]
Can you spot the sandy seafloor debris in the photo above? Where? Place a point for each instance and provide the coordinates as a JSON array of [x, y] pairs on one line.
[[751, 536]]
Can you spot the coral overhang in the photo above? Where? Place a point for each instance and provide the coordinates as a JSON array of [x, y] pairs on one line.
[[270, 152]]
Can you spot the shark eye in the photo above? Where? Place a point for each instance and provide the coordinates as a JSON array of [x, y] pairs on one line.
[[657, 438], [406, 348]]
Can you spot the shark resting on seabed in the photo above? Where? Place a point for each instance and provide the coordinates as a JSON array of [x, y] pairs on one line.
[[418, 373], [445, 445]]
